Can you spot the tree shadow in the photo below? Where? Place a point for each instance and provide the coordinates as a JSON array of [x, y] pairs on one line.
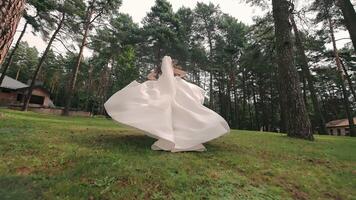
[[137, 141], [127, 142], [134, 141], [19, 187]]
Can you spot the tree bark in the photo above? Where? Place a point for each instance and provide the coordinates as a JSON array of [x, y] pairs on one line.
[[242, 118], [342, 81], [349, 81], [78, 63], [10, 14], [18, 73], [349, 14], [211, 96], [297, 120], [40, 63], [11, 56], [254, 101], [305, 69]]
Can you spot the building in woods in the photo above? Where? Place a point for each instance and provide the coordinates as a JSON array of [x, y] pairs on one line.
[[12, 94], [339, 127]]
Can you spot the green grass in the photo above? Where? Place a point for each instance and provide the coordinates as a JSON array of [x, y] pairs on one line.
[[53, 157]]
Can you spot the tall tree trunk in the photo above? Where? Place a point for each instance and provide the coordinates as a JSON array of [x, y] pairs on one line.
[[244, 99], [342, 81], [89, 83], [272, 104], [305, 68], [304, 91], [257, 127], [40, 63], [18, 73], [211, 96], [11, 56], [10, 14], [220, 99], [75, 70], [264, 115], [250, 117], [297, 120], [230, 88], [349, 14], [349, 81]]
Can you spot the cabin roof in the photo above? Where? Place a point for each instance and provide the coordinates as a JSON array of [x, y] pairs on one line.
[[11, 83], [339, 123]]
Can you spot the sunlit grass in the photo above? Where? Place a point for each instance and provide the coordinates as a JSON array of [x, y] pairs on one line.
[[54, 157]]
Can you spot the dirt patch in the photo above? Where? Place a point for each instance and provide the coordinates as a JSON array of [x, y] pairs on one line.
[[123, 182], [23, 171], [328, 195], [214, 175], [295, 190], [324, 163], [318, 161]]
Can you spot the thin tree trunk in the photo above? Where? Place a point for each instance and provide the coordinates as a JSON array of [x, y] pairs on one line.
[[10, 14], [89, 83], [211, 101], [349, 14], [236, 122], [349, 81], [342, 81], [244, 99], [304, 82], [297, 120], [272, 113], [251, 116], [305, 68], [39, 66], [264, 115], [78, 63], [211, 96], [231, 87], [256, 107], [18, 73], [11, 56]]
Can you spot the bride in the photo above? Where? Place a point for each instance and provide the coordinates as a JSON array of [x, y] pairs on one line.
[[168, 108]]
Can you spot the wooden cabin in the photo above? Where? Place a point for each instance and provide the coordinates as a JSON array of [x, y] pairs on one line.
[[339, 127], [12, 93]]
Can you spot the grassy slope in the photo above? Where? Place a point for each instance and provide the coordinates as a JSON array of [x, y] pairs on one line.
[[52, 157]]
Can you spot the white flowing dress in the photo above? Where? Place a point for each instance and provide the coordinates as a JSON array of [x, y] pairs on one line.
[[169, 109]]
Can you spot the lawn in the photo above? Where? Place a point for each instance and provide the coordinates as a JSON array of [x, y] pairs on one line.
[[53, 157]]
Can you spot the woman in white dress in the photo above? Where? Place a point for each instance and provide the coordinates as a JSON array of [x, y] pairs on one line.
[[169, 109]]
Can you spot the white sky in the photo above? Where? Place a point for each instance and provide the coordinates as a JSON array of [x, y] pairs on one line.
[[139, 8]]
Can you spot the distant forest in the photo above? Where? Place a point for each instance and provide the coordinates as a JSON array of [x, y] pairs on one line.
[[239, 65]]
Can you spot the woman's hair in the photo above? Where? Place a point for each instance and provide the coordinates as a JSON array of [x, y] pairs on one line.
[[158, 71], [176, 64]]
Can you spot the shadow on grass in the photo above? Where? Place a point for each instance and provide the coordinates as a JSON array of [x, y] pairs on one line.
[[138, 143], [18, 187], [112, 141]]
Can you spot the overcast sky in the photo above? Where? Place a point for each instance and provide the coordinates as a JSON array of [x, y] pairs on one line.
[[139, 8]]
